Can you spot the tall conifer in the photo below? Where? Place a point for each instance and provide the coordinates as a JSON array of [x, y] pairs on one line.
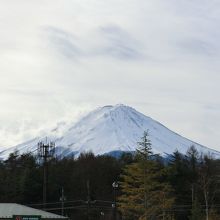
[[144, 195]]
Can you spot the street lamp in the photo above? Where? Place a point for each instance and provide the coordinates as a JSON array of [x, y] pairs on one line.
[[114, 205]]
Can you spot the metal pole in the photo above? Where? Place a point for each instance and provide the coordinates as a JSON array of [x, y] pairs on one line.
[[45, 151], [62, 202], [62, 199], [45, 175]]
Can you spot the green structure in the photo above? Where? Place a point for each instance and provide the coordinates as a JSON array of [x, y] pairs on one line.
[[13, 211]]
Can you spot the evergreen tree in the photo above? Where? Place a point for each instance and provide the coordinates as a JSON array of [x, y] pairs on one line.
[[209, 170], [178, 175], [193, 157], [196, 212], [144, 195]]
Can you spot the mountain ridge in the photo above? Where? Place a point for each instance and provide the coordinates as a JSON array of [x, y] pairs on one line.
[[112, 128]]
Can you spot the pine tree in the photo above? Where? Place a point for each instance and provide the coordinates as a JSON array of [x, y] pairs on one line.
[[178, 176], [144, 195], [209, 182], [196, 212], [192, 158]]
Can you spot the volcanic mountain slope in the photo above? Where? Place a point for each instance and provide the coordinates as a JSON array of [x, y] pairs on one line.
[[111, 129]]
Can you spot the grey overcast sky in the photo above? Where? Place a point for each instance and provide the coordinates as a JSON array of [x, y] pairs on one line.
[[62, 58]]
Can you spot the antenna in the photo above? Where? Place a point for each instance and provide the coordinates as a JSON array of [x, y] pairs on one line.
[[46, 151]]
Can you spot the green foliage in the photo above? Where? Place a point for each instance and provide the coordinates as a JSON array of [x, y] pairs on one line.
[[21, 179], [144, 150], [144, 194], [148, 184], [196, 211]]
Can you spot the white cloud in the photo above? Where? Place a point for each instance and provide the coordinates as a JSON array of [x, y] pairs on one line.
[[58, 58]]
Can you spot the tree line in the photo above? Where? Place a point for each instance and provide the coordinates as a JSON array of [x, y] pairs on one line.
[[181, 187], [178, 187]]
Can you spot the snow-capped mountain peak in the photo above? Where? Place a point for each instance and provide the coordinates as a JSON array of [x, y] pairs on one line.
[[113, 128]]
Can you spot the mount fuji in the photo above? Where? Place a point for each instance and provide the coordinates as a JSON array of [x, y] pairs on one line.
[[111, 129]]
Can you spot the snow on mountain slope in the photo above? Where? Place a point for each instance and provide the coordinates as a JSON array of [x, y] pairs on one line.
[[112, 128]]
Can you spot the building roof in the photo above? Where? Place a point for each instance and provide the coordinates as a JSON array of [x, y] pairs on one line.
[[7, 210]]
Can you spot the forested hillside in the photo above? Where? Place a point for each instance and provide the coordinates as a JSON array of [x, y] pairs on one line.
[[149, 187]]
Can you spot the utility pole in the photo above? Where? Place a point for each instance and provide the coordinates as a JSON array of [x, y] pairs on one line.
[[45, 151], [62, 199]]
